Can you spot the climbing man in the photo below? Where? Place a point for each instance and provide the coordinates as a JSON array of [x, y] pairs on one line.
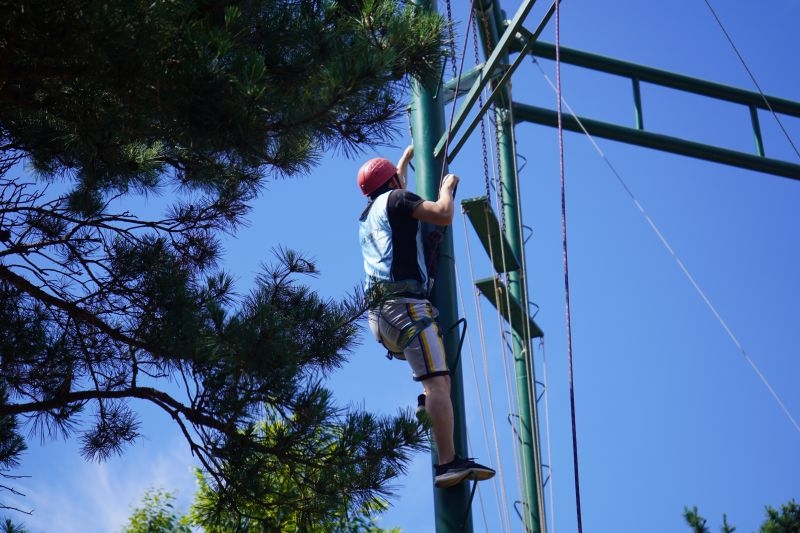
[[400, 316]]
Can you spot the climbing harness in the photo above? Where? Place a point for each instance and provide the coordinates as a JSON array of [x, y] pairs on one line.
[[398, 327]]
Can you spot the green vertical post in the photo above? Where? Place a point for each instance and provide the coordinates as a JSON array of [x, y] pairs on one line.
[[528, 430], [451, 505], [637, 103], [756, 130], [488, 14]]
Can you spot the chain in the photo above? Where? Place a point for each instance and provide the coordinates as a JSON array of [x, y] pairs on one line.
[[452, 36], [483, 122]]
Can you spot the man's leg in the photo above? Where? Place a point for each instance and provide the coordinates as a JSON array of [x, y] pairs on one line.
[[440, 410], [426, 357], [451, 469]]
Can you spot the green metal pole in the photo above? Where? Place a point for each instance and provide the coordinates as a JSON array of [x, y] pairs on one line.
[[451, 505], [527, 427]]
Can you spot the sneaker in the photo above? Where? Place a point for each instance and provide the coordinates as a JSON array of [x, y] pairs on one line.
[[457, 470]]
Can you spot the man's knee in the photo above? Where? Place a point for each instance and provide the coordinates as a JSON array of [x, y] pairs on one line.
[[437, 384]]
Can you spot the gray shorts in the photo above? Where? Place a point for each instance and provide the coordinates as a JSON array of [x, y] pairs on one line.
[[407, 327]]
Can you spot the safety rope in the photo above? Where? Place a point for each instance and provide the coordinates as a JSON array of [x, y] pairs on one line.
[[566, 270], [500, 488], [500, 485], [503, 497], [526, 338], [498, 202], [508, 375], [550, 477]]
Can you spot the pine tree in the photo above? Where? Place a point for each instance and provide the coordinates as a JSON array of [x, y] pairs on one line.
[[695, 521], [103, 307], [306, 495], [783, 520]]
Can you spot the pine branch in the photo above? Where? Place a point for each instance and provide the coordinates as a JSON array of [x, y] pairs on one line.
[[74, 311], [156, 396]]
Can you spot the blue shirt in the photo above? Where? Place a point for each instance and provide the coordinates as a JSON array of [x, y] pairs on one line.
[[391, 239]]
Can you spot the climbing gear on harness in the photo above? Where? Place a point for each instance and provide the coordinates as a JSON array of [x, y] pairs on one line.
[[431, 244], [381, 291], [375, 173], [398, 313]]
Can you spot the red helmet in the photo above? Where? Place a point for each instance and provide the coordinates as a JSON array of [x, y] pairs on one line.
[[375, 173]]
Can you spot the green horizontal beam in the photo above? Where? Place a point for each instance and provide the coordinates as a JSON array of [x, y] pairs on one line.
[[663, 78], [546, 117], [496, 292], [494, 241]]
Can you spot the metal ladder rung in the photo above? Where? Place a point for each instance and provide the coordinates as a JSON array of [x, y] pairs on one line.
[[488, 229], [496, 292]]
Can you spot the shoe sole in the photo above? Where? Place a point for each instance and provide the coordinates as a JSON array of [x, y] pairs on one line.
[[452, 479]]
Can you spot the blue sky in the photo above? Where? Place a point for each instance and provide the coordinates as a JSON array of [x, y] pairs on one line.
[[669, 413]]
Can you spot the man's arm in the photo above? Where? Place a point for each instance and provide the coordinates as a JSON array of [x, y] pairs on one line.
[[441, 211], [402, 166]]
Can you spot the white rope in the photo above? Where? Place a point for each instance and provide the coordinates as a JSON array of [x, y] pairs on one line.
[[510, 382], [505, 356], [683, 268], [500, 498], [487, 378], [552, 521], [441, 179]]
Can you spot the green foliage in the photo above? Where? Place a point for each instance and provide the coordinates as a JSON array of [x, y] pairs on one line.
[[783, 520], [11, 443], [695, 521], [334, 484], [726, 528], [157, 515], [121, 94], [103, 307]]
